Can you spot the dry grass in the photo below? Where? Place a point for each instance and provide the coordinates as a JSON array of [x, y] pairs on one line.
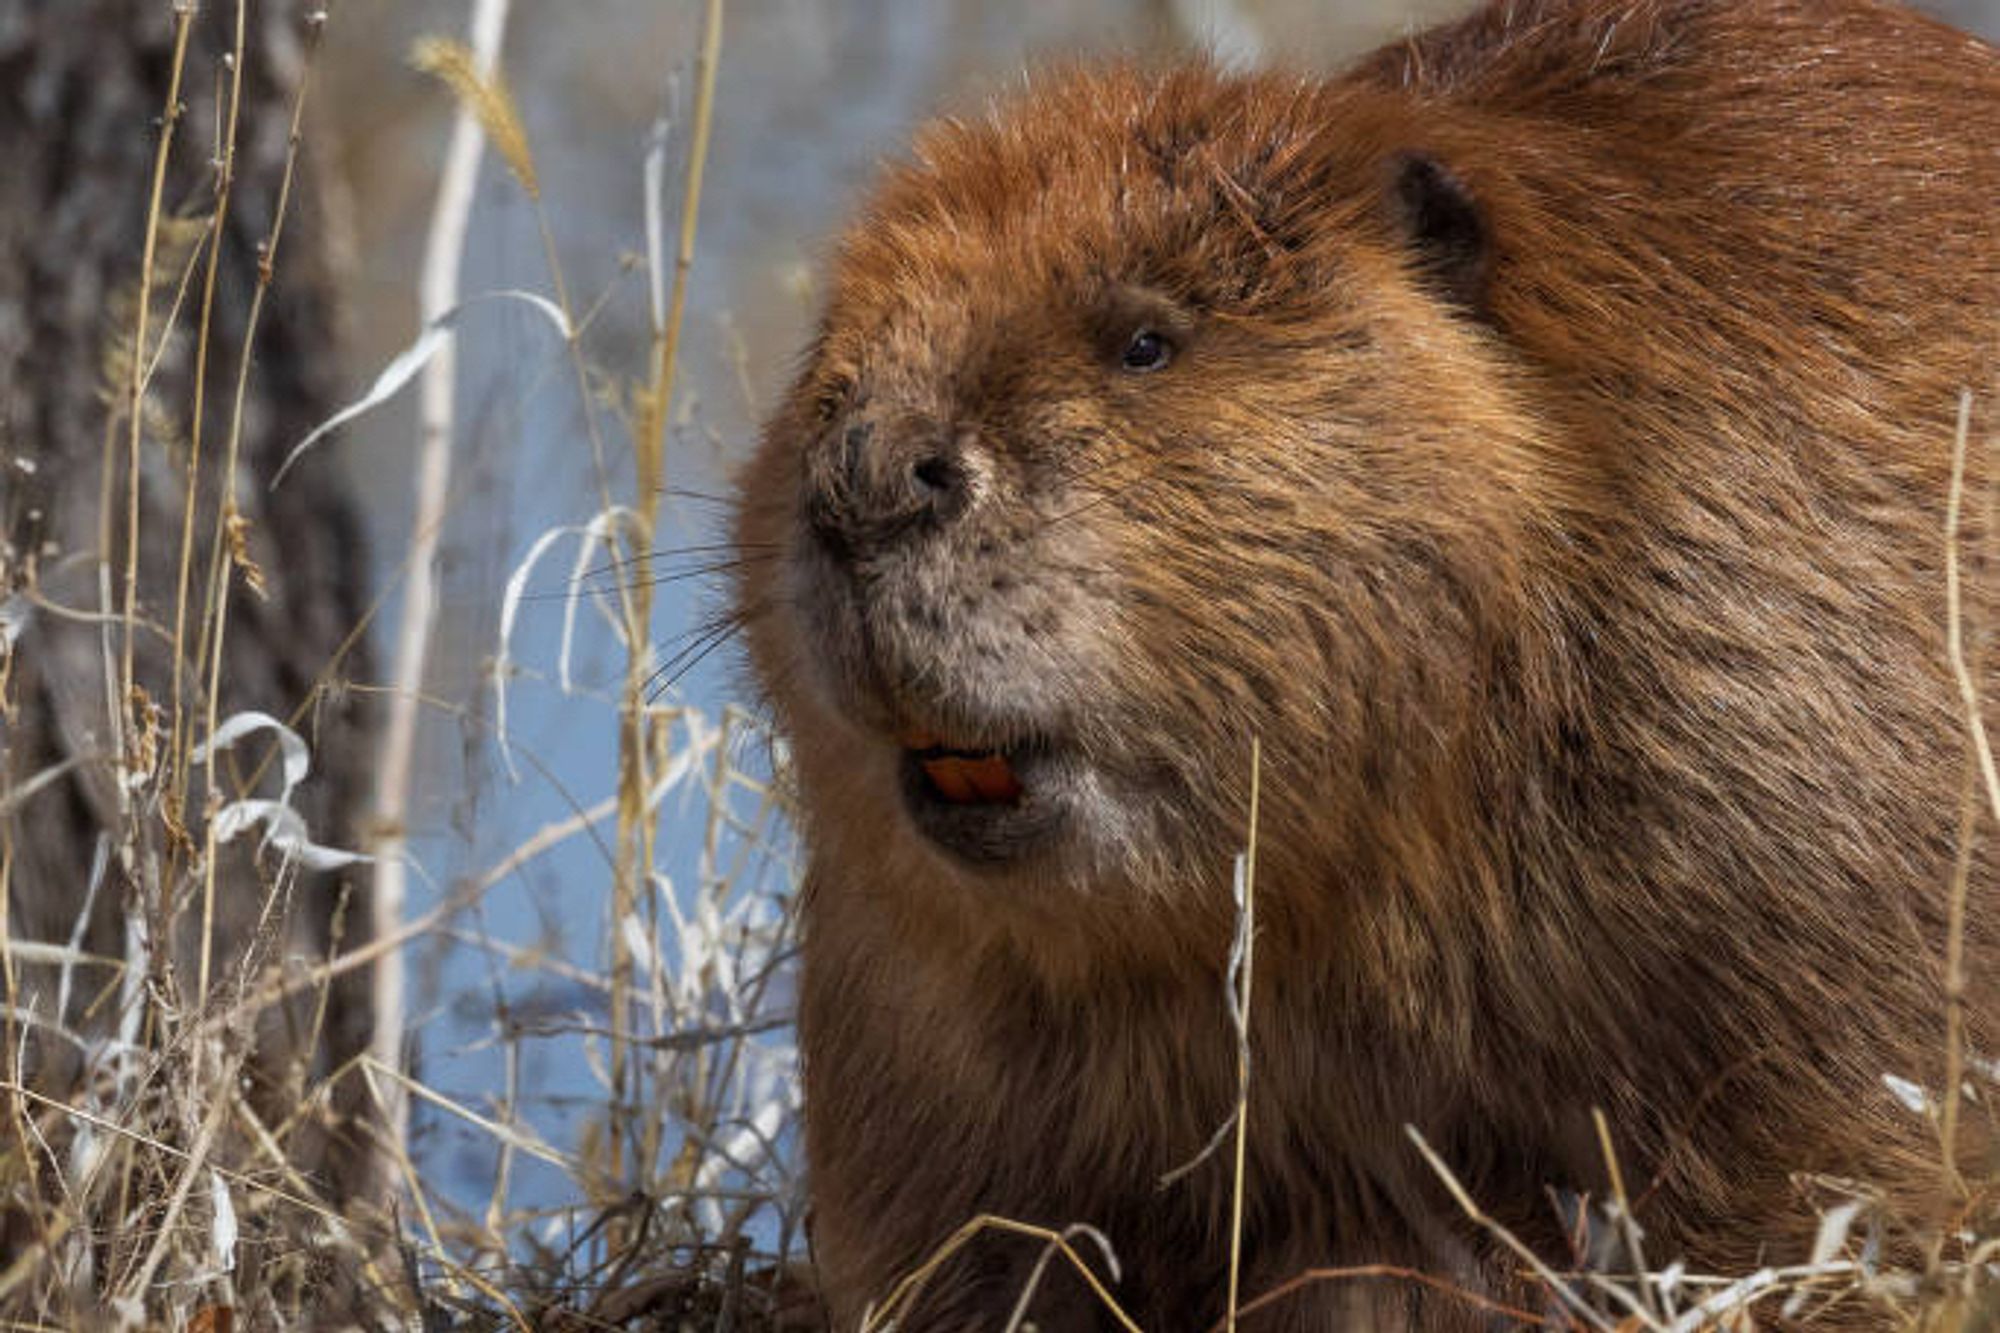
[[149, 1191]]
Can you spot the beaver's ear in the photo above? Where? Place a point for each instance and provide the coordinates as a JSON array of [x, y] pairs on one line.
[[1444, 228]]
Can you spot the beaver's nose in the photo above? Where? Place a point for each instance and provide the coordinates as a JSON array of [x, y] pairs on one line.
[[879, 483]]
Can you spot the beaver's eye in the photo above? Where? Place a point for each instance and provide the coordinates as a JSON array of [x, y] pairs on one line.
[[1147, 351]]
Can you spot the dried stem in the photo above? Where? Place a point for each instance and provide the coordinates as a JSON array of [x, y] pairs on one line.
[[1585, 1312], [1249, 935], [221, 562], [184, 14], [1313, 1276], [444, 253], [1968, 691], [178, 748], [887, 1316], [636, 718]]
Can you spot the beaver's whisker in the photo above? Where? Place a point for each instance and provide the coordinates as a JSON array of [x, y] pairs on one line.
[[697, 574], [696, 645], [705, 497], [1150, 472], [1065, 474], [677, 552]]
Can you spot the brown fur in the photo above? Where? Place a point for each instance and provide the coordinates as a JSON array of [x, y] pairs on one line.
[[1582, 580]]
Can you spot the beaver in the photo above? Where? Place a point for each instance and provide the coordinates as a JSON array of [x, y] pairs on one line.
[[1537, 440]]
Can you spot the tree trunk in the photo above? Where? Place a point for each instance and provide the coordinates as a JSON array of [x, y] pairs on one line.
[[83, 88]]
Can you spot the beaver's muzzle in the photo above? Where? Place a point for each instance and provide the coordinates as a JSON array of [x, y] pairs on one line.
[[872, 484]]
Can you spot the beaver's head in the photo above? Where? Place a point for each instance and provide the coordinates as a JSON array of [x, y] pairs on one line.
[[1149, 417]]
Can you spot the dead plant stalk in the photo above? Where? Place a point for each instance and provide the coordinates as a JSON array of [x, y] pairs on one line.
[[1249, 932], [178, 749], [184, 14], [1982, 749], [438, 288], [637, 738]]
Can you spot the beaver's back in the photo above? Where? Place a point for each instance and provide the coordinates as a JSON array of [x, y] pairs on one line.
[[1746, 254], [1740, 195]]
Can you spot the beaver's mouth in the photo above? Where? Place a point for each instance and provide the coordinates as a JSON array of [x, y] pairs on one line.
[[986, 805], [961, 775]]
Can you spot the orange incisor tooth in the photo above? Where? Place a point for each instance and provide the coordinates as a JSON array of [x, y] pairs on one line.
[[948, 776], [993, 778], [987, 780]]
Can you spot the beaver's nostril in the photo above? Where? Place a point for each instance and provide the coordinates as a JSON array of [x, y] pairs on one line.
[[936, 473], [866, 487]]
